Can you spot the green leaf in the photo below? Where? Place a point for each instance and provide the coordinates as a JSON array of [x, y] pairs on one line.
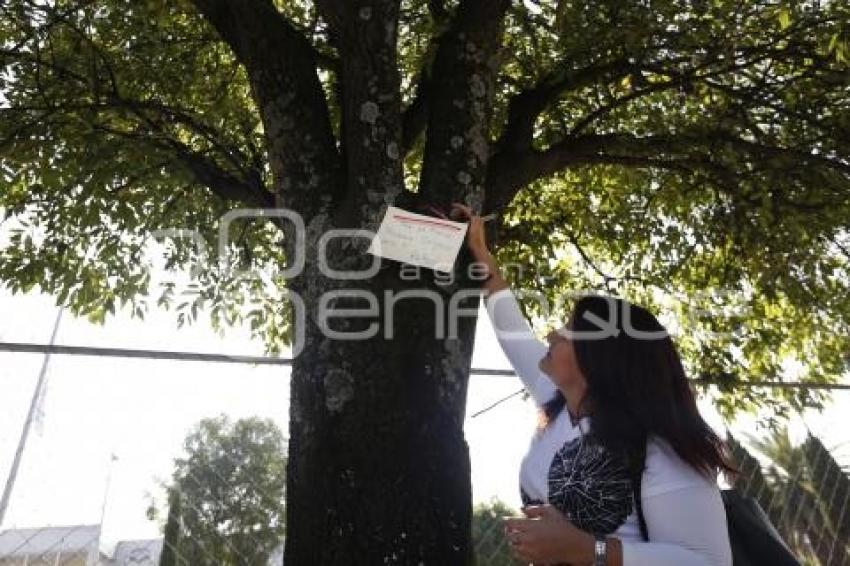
[[784, 17]]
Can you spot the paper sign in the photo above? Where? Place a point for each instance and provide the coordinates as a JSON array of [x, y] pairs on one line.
[[418, 240]]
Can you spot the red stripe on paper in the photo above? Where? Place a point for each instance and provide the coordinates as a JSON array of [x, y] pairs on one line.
[[424, 221]]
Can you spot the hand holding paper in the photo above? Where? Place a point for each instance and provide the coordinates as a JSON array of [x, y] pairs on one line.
[[476, 238]]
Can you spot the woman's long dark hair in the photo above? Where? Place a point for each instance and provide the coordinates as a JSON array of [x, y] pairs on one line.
[[636, 387]]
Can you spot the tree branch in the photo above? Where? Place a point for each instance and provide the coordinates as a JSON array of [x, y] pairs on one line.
[[515, 143], [206, 171], [460, 105], [687, 151], [525, 106], [415, 116], [281, 66], [365, 36], [221, 182], [249, 190]]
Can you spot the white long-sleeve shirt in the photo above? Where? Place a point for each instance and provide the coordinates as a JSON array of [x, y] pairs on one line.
[[684, 513]]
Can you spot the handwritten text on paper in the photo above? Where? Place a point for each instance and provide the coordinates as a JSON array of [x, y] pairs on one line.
[[418, 240]]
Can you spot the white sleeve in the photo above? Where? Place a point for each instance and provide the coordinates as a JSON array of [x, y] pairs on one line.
[[519, 343], [687, 527]]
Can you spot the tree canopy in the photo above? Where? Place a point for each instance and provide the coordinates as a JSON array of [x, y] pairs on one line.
[[685, 154]]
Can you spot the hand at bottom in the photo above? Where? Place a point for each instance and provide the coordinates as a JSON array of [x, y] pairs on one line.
[[545, 536]]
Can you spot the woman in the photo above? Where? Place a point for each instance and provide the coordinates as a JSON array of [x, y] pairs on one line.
[[619, 426]]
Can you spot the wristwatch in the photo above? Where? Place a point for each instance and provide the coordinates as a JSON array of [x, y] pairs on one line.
[[600, 552]]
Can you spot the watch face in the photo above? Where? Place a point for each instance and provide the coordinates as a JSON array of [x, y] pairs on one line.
[[590, 485], [599, 553]]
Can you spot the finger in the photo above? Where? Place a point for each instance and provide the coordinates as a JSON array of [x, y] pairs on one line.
[[538, 511], [462, 208], [437, 212], [532, 511]]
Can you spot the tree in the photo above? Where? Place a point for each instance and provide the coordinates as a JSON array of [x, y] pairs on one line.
[[660, 150], [226, 500]]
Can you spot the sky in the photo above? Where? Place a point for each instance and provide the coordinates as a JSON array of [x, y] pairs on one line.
[[141, 410]]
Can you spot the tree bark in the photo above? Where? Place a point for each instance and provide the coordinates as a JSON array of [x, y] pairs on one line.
[[378, 468]]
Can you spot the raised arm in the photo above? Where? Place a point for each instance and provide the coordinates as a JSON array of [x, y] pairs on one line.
[[522, 348], [519, 343]]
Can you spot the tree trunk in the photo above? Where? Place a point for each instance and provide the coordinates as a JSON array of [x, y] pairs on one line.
[[378, 468], [170, 554]]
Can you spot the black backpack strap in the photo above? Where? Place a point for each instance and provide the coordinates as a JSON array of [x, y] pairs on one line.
[[754, 540], [636, 466]]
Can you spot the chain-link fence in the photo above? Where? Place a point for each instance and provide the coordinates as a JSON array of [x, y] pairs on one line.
[[801, 483], [805, 492]]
